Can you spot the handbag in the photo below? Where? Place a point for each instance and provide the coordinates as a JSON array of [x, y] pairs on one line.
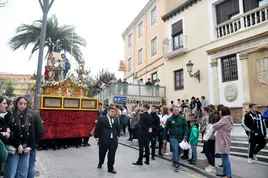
[[11, 149]]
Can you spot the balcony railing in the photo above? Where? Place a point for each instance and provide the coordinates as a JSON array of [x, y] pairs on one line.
[[175, 46], [132, 90], [246, 20]]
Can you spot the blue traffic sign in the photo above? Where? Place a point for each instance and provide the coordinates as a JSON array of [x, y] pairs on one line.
[[120, 99]]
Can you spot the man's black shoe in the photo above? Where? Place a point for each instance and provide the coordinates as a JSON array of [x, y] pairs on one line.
[[99, 166], [185, 157], [112, 171], [160, 154], [153, 158], [138, 163], [146, 162]]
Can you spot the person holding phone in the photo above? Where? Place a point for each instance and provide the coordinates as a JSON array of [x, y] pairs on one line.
[[21, 138]]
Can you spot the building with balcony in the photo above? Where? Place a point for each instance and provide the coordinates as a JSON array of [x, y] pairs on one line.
[[186, 37], [212, 48], [238, 53], [130, 94], [22, 84], [144, 42]]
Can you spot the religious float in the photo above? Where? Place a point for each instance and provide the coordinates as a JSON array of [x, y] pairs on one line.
[[66, 110]]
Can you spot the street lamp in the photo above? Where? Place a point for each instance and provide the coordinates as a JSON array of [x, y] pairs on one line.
[[45, 6], [190, 70]]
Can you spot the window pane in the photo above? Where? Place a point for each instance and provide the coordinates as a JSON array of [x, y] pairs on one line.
[[140, 29], [176, 42], [179, 81], [129, 64], [154, 46], [153, 16], [129, 40], [229, 68], [140, 56]]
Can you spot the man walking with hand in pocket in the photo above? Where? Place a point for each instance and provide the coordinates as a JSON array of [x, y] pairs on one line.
[[106, 134], [178, 129]]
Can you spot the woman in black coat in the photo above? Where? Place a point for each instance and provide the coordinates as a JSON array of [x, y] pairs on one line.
[[22, 139]]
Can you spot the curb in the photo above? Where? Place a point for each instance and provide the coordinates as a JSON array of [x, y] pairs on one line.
[[194, 168]]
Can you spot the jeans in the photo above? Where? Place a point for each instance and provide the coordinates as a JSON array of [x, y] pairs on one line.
[[17, 165], [32, 163], [176, 151], [194, 154], [226, 165]]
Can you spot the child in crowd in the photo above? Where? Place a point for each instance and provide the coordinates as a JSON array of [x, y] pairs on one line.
[[194, 140], [190, 118]]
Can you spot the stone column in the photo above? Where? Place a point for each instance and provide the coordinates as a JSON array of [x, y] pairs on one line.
[[244, 67], [214, 66]]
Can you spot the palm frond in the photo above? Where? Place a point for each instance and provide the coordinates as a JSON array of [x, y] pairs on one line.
[[30, 35]]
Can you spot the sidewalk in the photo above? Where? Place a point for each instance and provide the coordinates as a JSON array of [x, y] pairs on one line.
[[240, 166]]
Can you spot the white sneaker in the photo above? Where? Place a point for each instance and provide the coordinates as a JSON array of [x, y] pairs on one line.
[[213, 170], [208, 167], [255, 158], [250, 160]]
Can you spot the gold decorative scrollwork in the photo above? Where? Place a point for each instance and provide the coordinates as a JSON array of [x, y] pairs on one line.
[[65, 88]]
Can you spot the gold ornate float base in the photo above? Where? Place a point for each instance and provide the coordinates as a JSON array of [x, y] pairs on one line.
[[65, 88]]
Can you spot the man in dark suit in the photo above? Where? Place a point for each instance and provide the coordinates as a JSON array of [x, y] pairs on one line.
[[104, 113], [106, 133], [145, 130], [155, 127]]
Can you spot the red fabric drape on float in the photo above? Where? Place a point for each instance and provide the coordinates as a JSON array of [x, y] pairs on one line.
[[68, 124]]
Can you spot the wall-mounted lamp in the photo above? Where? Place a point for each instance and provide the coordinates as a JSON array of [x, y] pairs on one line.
[[190, 70]]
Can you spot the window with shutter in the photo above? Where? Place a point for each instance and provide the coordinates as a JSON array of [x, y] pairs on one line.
[[177, 38], [226, 10]]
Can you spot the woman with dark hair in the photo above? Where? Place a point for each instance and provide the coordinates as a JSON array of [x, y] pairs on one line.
[[9, 115], [193, 106], [22, 133], [4, 132], [218, 111], [223, 138]]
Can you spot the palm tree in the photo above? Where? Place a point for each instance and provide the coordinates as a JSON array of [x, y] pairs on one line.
[[30, 34]]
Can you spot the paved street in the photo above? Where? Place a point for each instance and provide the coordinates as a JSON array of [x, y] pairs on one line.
[[82, 162]]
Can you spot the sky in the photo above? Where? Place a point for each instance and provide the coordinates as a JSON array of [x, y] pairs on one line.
[[100, 22]]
